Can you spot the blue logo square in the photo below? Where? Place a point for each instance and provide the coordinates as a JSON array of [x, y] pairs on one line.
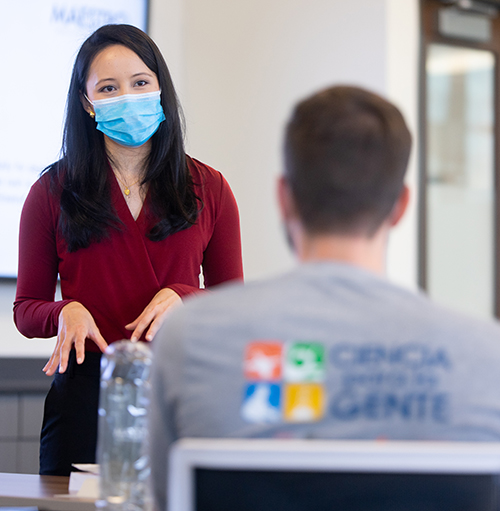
[[261, 403]]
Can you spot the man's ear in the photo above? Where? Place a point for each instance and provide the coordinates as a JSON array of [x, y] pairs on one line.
[[400, 207], [285, 200]]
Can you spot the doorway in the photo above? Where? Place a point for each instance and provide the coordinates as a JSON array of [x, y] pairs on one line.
[[459, 205]]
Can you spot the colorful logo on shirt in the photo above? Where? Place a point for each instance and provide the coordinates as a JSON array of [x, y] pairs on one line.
[[284, 382]]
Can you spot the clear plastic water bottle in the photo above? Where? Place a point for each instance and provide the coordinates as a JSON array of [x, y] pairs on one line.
[[122, 452]]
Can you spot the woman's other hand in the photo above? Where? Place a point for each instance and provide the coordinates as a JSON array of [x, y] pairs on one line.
[[154, 314], [75, 325]]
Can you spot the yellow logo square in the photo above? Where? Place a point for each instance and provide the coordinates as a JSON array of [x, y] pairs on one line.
[[303, 402]]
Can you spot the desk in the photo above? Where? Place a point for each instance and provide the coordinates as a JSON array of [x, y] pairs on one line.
[[26, 490]]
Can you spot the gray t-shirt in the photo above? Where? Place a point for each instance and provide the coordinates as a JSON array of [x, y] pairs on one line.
[[326, 351]]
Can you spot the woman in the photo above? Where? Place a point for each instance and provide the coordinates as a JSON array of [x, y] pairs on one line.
[[125, 219]]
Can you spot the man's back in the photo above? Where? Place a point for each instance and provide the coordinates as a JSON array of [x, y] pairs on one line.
[[330, 351]]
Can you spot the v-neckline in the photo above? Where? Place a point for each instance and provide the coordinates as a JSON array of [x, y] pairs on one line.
[[116, 190]]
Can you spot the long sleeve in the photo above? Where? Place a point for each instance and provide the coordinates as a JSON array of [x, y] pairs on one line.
[[35, 311], [219, 224], [222, 259]]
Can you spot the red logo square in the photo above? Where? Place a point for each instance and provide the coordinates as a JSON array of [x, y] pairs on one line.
[[263, 361]]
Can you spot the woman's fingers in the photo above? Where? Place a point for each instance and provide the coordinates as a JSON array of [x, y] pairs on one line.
[[51, 366], [152, 316], [155, 326], [141, 323], [71, 338], [53, 363], [76, 324], [99, 340], [79, 343]]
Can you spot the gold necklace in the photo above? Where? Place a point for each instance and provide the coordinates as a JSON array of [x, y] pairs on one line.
[[126, 190]]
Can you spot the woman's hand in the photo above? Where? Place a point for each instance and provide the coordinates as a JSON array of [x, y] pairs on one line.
[[154, 314], [75, 325]]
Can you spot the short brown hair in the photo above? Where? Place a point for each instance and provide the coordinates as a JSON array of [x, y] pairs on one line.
[[346, 153]]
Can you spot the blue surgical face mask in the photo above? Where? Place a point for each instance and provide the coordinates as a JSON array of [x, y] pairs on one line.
[[130, 119]]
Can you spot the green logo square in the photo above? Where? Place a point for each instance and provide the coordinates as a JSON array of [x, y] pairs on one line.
[[304, 361]]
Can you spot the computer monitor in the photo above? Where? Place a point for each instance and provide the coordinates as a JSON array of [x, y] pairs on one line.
[[317, 475]]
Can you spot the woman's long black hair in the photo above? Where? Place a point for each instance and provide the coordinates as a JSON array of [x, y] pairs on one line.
[[82, 172]]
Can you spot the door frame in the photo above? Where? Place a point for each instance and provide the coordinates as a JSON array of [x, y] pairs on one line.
[[430, 34]]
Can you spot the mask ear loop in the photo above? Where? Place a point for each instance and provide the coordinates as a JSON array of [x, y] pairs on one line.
[[91, 113]]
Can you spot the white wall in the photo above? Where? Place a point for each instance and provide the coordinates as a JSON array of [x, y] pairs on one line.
[[239, 67], [247, 63], [12, 343], [402, 53]]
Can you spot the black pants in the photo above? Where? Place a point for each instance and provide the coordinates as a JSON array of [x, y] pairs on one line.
[[69, 429]]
